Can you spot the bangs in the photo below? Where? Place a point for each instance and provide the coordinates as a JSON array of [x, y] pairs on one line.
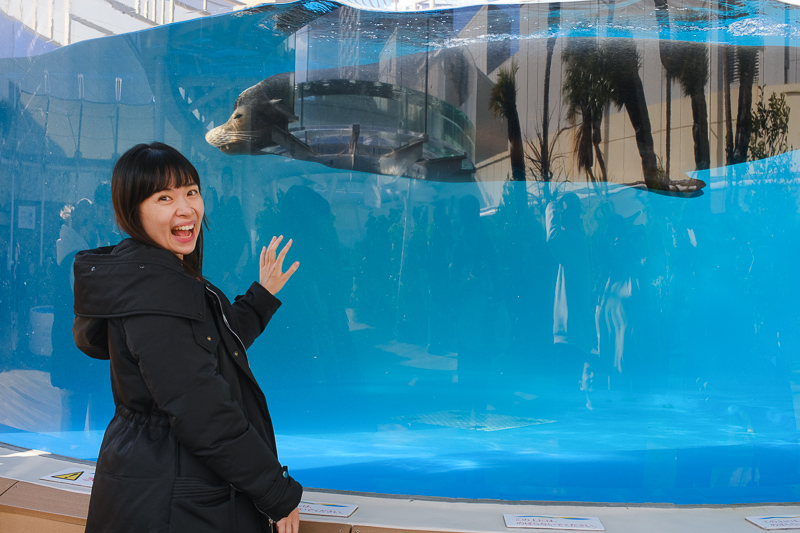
[[162, 170], [173, 178]]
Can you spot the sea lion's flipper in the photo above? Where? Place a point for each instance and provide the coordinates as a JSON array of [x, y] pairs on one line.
[[687, 188], [277, 105], [678, 194], [296, 148], [398, 161]]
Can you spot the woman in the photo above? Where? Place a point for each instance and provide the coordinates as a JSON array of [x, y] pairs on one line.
[[191, 446]]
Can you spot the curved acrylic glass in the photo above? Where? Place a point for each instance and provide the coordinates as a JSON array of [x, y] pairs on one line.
[[621, 326]]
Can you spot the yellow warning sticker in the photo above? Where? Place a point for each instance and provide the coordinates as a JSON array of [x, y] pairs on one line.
[[72, 476], [82, 478]]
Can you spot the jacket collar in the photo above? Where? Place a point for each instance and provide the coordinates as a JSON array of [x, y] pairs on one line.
[[135, 278]]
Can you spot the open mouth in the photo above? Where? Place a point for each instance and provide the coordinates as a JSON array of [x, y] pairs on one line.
[[183, 232]]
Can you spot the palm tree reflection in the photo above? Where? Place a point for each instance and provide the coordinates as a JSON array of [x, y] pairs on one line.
[[586, 92]]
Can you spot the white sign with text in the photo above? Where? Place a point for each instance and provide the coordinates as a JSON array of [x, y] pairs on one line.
[[775, 522], [327, 509], [580, 523]]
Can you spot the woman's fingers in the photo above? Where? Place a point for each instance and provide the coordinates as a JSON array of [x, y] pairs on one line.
[[268, 252], [292, 269], [273, 247], [282, 255], [272, 276], [271, 256], [289, 524], [275, 243]]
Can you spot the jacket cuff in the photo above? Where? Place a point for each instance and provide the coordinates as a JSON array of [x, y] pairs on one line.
[[261, 299], [283, 498]]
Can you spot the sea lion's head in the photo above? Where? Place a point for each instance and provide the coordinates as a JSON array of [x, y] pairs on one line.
[[268, 104]]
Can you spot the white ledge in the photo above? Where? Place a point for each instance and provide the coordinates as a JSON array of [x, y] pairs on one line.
[[378, 513]]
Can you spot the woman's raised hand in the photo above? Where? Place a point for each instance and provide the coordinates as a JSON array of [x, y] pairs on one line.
[[271, 274]]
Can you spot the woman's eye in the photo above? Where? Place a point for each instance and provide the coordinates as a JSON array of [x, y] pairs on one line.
[[163, 198]]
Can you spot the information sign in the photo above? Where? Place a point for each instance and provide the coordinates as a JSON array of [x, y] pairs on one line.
[[580, 523], [327, 509], [775, 522], [26, 217]]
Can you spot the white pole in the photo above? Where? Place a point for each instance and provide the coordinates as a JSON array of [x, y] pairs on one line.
[[35, 16], [50, 16], [67, 25]]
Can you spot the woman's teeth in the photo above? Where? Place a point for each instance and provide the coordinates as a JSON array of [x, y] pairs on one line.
[[183, 231]]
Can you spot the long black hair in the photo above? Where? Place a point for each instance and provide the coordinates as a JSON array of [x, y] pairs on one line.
[[143, 171]]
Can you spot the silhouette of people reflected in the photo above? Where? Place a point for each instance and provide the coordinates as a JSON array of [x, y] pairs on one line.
[[573, 308], [80, 378], [476, 302], [228, 239], [312, 331], [615, 317], [104, 220]]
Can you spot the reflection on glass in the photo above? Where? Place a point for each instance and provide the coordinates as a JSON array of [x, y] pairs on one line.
[[549, 249]]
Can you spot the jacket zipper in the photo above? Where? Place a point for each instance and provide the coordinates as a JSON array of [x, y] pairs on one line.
[[241, 345], [225, 320]]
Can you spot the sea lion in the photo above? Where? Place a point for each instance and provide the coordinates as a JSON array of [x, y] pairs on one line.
[[367, 118], [262, 113], [258, 109]]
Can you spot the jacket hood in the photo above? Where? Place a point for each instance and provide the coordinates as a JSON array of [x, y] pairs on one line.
[[134, 278]]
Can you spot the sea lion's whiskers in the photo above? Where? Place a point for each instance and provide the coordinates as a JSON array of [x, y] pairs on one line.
[[246, 134], [239, 137]]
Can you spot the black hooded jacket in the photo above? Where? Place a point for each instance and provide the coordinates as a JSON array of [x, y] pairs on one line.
[[191, 446]]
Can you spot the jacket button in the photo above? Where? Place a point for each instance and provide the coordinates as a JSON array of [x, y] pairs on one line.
[[141, 266], [235, 353], [208, 339], [93, 269]]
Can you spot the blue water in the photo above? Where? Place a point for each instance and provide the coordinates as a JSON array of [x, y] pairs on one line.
[[415, 352]]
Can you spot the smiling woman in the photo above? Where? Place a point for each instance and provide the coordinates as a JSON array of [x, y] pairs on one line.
[[181, 375], [156, 195], [172, 218]]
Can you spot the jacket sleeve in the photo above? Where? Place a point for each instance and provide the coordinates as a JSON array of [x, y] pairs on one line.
[[252, 312], [185, 383]]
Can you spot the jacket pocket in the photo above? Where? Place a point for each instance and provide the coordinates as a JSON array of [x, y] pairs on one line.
[[206, 335], [199, 507]]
